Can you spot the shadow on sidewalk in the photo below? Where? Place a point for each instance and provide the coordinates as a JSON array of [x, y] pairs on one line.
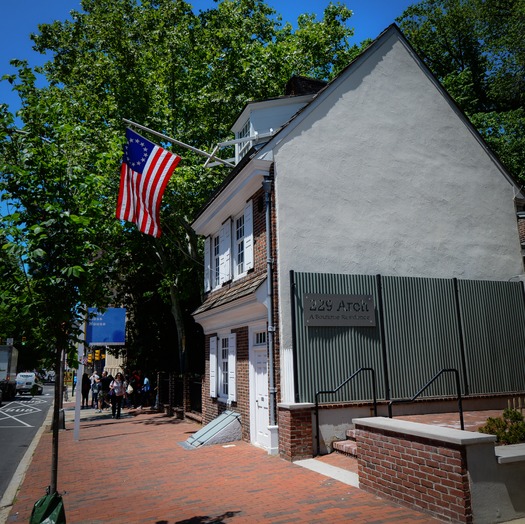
[[220, 519]]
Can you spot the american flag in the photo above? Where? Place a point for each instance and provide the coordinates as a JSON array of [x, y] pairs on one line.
[[145, 172]]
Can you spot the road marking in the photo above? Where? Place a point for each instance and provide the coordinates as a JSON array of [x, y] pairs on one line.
[[20, 409]]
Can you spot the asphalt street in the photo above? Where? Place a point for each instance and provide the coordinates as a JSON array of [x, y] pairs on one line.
[[20, 419]]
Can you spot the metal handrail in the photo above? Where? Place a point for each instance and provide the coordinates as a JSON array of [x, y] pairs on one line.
[[331, 391], [458, 390]]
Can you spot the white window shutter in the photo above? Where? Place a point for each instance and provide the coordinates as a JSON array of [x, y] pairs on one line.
[[207, 264], [248, 236], [225, 244], [213, 367], [232, 358]]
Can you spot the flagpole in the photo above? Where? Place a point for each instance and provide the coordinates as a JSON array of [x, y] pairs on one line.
[[177, 142]]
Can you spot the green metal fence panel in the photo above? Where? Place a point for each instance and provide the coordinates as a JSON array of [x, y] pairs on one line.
[[421, 328], [493, 316], [327, 356], [427, 328]]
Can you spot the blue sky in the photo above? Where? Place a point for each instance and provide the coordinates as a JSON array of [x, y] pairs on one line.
[[20, 18]]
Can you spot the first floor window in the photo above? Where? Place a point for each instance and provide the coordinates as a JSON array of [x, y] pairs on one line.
[[223, 368], [223, 356]]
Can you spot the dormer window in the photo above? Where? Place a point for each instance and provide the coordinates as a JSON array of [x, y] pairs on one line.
[[244, 147]]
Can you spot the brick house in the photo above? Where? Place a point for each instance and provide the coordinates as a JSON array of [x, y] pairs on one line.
[[377, 172]]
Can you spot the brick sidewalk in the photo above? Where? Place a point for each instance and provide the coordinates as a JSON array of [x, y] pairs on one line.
[[133, 470]]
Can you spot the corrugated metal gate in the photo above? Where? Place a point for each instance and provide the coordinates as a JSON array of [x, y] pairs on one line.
[[422, 326]]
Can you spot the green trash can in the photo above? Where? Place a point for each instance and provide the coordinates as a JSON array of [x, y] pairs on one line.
[[49, 510]]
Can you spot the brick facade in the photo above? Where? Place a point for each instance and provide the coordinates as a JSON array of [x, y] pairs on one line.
[[213, 407], [295, 432], [417, 472]]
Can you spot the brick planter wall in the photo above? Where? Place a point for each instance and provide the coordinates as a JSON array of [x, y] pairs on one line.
[[422, 473], [295, 431]]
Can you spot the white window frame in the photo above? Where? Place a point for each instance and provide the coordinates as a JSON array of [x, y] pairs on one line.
[[228, 251], [225, 247], [244, 147], [238, 247], [260, 338], [215, 262], [223, 362]]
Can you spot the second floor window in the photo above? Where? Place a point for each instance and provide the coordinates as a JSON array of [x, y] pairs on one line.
[[239, 246], [229, 254], [216, 262]]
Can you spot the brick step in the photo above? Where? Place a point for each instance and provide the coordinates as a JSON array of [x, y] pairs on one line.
[[347, 447], [351, 434]]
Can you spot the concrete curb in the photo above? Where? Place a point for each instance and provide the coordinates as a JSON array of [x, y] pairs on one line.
[[10, 493]]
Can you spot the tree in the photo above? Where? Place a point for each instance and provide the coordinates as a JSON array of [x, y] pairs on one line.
[[159, 64], [475, 48], [188, 76]]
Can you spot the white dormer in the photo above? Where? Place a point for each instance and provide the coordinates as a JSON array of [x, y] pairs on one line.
[[260, 120]]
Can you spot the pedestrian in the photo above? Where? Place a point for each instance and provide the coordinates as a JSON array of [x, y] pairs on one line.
[[145, 392], [116, 394], [86, 386], [74, 383], [95, 388], [103, 394]]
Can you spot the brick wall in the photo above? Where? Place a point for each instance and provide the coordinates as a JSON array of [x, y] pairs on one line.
[[212, 407], [417, 472], [242, 379], [295, 433]]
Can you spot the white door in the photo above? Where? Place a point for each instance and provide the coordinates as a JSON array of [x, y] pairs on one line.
[[262, 420]]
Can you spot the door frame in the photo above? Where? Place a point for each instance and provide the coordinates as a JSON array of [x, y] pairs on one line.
[[256, 328]]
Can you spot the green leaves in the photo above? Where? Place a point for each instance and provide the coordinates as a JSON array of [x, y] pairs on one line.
[[475, 48], [160, 64]]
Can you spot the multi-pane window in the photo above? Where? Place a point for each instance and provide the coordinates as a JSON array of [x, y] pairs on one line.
[[260, 338], [223, 367], [244, 133], [223, 351], [216, 261], [229, 252], [239, 246]]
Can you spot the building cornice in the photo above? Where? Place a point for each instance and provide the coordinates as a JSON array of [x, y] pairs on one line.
[[233, 197]]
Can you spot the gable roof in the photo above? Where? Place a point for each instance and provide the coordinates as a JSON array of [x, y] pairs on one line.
[[324, 92]]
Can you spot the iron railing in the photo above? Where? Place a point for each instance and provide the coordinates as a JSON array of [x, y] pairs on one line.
[[433, 379], [333, 391]]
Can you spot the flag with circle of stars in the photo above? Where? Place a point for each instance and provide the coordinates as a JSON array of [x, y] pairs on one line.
[[145, 172]]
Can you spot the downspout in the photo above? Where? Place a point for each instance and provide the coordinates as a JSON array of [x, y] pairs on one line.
[[268, 186]]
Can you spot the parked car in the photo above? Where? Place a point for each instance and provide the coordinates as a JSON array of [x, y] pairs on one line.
[[29, 383]]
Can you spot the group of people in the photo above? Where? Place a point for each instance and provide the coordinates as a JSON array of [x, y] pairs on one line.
[[115, 392]]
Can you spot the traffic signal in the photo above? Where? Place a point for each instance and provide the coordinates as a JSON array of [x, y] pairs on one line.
[[90, 358], [97, 354], [24, 340]]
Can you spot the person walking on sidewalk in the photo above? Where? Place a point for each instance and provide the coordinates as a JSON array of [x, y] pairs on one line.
[[116, 394], [103, 394], [95, 388], [86, 386]]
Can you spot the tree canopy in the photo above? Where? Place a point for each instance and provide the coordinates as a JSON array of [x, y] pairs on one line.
[[476, 49], [157, 63]]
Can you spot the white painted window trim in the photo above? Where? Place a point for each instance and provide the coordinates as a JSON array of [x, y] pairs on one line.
[[213, 367], [225, 243], [248, 236], [207, 264], [216, 368], [232, 365], [228, 251]]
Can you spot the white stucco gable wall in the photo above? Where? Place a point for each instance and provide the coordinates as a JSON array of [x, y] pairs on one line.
[[380, 174]]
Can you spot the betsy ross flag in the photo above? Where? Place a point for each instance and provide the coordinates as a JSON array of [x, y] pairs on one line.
[[145, 172]]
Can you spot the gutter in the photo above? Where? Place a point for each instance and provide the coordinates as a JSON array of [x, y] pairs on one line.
[[268, 187]]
